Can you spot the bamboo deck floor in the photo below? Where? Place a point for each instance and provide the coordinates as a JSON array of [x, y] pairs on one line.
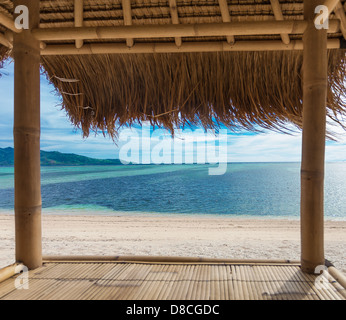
[[173, 281]]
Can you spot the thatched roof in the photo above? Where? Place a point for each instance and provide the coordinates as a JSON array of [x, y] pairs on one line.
[[4, 51], [3, 56], [238, 89], [242, 89]]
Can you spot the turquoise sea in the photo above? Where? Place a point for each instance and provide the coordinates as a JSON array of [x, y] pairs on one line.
[[247, 189]]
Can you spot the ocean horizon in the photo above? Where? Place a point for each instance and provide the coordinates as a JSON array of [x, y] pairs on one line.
[[250, 190]]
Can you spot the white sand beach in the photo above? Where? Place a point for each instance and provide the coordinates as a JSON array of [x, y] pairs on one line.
[[188, 236]]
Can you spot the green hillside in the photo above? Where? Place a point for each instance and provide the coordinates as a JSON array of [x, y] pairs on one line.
[[56, 159]]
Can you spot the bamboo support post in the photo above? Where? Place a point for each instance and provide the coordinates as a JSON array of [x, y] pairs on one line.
[[27, 142], [181, 30], [101, 48], [128, 19], [175, 18], [313, 145], [279, 17], [226, 17], [340, 14], [78, 19]]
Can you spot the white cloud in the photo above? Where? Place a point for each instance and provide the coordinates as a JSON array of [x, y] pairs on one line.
[[268, 147]]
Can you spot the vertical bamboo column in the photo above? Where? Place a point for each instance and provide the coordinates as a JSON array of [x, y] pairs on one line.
[[313, 148], [27, 142]]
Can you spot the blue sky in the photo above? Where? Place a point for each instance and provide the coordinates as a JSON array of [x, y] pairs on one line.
[[57, 134]]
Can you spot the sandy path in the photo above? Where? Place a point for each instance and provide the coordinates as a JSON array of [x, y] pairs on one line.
[[175, 236]]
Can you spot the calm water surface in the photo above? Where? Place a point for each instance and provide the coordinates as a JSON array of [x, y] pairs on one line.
[[251, 189]]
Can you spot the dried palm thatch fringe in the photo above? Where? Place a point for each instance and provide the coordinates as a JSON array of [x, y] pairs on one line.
[[247, 90], [3, 55]]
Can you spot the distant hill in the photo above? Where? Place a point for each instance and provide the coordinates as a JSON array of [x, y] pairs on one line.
[[56, 159]]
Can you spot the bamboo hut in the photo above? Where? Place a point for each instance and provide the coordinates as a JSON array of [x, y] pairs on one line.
[[250, 64]]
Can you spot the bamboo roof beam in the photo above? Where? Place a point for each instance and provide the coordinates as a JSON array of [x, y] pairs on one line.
[[340, 14], [181, 30], [127, 19], [78, 19], [4, 41], [226, 17], [112, 48], [330, 4], [8, 23], [175, 18], [279, 17]]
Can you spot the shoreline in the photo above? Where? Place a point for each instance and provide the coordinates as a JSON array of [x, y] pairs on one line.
[[187, 236], [102, 212]]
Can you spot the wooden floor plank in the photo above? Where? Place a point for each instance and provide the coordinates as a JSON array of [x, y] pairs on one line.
[[326, 289], [304, 291], [271, 284], [119, 285], [162, 279], [246, 278], [145, 285], [184, 279], [286, 292], [179, 281], [157, 274], [197, 283], [230, 285], [167, 291], [236, 284], [108, 272], [9, 285], [253, 283], [142, 275], [260, 283]]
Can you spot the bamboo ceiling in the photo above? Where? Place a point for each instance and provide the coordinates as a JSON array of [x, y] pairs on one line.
[[258, 85]]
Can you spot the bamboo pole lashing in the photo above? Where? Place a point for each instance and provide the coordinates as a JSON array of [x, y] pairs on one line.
[[78, 19], [181, 30], [127, 12], [175, 18], [226, 17], [279, 17]]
